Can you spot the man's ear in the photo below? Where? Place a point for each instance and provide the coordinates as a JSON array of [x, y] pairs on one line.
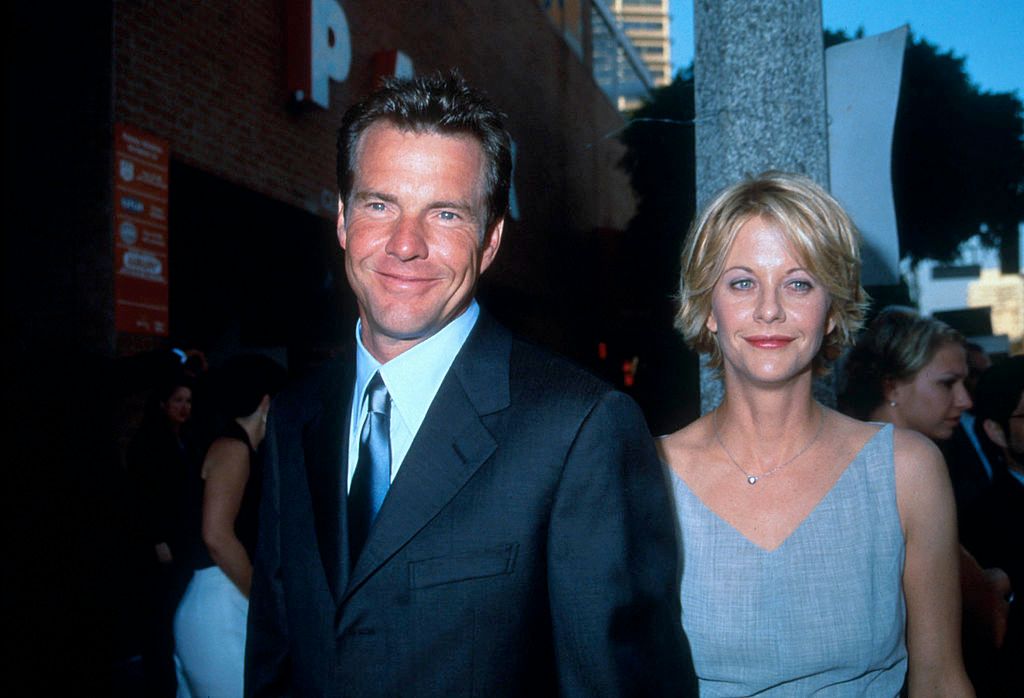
[[994, 432], [341, 223], [492, 241]]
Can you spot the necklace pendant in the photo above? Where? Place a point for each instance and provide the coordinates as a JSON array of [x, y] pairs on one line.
[[752, 479]]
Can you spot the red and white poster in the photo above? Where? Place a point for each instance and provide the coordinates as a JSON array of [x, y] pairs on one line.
[[140, 232]]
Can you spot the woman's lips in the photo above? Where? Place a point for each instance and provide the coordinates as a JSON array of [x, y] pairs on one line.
[[769, 341]]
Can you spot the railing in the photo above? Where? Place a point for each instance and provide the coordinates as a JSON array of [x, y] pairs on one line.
[[618, 68]]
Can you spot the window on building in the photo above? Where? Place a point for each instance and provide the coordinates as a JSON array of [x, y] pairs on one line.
[[643, 26]]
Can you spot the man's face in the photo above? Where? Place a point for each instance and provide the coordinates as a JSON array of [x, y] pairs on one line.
[[413, 233], [1011, 438]]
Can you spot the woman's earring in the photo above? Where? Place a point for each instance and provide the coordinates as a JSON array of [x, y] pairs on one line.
[[892, 403]]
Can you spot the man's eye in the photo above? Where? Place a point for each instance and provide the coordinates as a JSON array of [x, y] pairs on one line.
[[377, 206], [448, 216]]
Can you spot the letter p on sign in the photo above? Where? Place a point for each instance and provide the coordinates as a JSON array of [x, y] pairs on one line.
[[319, 49]]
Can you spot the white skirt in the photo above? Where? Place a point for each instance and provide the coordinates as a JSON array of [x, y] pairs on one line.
[[209, 637]]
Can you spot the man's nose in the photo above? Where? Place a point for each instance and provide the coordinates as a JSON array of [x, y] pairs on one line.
[[407, 240]]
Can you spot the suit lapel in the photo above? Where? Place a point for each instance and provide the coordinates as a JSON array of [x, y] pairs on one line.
[[451, 444], [326, 451]]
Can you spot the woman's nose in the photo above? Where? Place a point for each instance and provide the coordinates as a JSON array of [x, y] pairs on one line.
[[768, 307], [961, 397]]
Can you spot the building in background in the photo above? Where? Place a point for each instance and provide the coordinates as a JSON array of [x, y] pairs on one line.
[[974, 296], [191, 148], [595, 34], [647, 24]]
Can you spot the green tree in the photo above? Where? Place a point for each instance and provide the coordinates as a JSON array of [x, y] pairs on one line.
[[958, 158], [644, 271], [659, 160]]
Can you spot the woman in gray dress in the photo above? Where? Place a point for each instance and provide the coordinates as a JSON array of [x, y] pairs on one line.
[[819, 551]]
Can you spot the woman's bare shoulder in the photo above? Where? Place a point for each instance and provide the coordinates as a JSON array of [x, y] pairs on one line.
[[918, 461], [225, 452], [848, 435], [688, 445], [908, 443], [227, 447], [851, 428]]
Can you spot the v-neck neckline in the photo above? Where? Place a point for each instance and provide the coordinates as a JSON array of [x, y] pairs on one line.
[[803, 522]]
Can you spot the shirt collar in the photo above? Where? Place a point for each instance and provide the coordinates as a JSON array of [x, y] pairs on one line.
[[414, 376]]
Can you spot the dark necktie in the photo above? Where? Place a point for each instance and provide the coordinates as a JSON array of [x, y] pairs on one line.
[[373, 469]]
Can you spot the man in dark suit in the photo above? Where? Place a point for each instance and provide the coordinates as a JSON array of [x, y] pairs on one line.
[[992, 528], [454, 512]]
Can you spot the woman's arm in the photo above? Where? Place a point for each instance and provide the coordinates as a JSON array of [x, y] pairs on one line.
[[226, 471], [931, 579]]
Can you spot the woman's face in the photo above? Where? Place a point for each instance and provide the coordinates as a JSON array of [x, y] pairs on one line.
[[178, 407], [931, 402], [767, 310]]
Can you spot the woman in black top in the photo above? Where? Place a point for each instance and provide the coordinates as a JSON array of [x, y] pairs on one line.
[[209, 626]]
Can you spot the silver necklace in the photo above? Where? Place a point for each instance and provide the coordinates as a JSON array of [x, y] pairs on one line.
[[752, 479]]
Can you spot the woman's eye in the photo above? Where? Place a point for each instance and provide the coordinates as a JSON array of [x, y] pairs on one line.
[[802, 285], [741, 284]]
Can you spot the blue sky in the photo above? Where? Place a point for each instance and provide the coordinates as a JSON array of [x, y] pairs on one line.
[[989, 33]]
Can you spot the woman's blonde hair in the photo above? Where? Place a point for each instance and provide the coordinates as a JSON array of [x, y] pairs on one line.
[[819, 232]]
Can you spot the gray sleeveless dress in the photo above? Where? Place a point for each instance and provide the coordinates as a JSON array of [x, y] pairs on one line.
[[821, 615]]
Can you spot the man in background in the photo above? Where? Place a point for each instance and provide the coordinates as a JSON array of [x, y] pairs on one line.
[[992, 527]]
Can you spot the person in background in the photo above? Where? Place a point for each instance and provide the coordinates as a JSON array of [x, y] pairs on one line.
[[209, 626], [820, 552], [993, 527], [160, 460], [910, 370]]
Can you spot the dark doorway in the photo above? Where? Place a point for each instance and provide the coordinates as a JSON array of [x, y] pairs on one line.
[[247, 271]]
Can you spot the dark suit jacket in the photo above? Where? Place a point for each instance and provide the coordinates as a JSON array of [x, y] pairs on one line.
[[526, 546], [966, 471], [993, 527], [991, 530]]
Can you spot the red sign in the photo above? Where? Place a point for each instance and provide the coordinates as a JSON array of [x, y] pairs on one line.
[[140, 232]]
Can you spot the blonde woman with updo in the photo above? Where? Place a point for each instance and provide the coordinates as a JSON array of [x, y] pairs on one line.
[[819, 551]]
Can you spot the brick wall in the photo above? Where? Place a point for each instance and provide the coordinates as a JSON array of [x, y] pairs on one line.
[[210, 78]]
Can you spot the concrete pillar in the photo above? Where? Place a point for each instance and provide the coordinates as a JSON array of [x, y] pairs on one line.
[[759, 73]]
